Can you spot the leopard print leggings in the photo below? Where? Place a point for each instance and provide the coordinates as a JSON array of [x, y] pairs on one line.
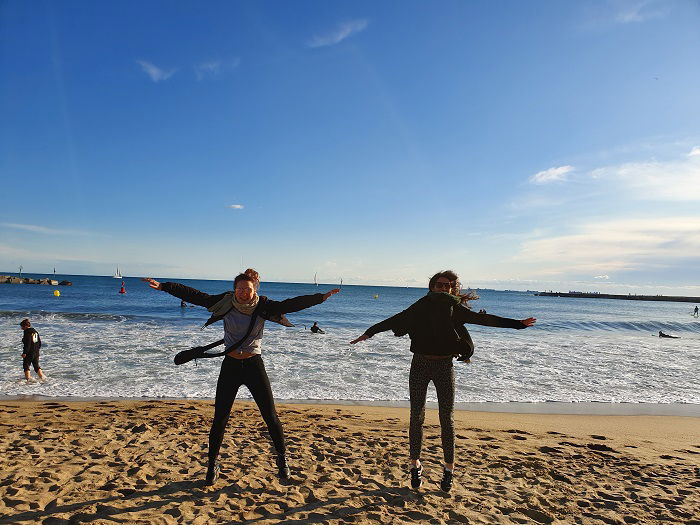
[[441, 373]]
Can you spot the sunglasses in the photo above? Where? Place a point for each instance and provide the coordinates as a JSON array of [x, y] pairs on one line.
[[444, 285]]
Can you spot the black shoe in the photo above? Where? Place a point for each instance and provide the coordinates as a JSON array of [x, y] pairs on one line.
[[446, 483], [282, 467], [416, 480], [212, 473]]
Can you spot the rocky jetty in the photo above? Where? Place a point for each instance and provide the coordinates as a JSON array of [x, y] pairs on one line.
[[11, 279]]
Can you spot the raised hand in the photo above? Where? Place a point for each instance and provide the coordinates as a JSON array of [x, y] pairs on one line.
[[152, 283], [529, 321], [330, 292], [363, 337]]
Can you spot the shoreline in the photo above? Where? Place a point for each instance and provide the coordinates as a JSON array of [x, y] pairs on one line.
[[583, 408]]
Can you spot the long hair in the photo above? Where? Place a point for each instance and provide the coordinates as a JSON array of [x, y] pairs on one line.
[[456, 288]]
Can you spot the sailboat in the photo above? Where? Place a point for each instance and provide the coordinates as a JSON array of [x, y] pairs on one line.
[[315, 282], [117, 274]]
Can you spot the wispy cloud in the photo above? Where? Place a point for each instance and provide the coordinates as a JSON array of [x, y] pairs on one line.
[[634, 11], [236, 206], [551, 175], [41, 229], [616, 245], [673, 180], [213, 68], [603, 277], [338, 34], [157, 74]]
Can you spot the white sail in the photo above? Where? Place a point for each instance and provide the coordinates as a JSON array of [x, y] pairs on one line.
[[117, 274]]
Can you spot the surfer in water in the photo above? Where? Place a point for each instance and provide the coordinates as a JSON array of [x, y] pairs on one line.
[[435, 324], [695, 312], [661, 334], [244, 313], [316, 329]]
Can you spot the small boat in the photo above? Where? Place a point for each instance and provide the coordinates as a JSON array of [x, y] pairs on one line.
[[117, 274]]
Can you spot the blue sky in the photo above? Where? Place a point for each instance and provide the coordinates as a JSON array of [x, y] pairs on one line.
[[527, 145]]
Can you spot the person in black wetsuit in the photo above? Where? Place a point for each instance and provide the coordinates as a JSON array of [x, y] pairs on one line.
[[435, 324], [316, 329], [244, 314], [661, 334], [31, 343]]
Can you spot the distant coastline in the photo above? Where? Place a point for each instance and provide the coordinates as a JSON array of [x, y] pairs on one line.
[[628, 297]]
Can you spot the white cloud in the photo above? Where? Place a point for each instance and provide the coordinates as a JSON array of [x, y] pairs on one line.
[[41, 229], [236, 206], [157, 74], [551, 175], [634, 11], [338, 34], [604, 277], [675, 180], [616, 245], [694, 152], [213, 68]]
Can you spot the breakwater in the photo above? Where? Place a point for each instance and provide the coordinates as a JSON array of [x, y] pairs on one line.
[[628, 297]]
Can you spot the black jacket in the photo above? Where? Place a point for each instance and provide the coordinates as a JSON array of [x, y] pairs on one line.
[[267, 308], [435, 324], [29, 346]]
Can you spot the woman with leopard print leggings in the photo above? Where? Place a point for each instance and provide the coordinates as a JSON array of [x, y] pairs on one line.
[[435, 324]]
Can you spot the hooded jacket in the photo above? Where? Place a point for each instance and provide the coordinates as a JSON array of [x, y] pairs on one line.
[[31, 342], [435, 324]]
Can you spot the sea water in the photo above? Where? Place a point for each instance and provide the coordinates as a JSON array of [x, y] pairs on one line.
[[99, 343]]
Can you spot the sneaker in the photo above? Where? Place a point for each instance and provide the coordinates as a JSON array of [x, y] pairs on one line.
[[282, 467], [416, 473], [446, 483], [212, 473]]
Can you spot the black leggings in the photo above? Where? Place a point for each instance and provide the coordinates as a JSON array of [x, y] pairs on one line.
[[251, 373], [441, 373]]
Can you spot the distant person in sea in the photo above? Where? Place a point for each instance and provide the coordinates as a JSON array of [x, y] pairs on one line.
[[316, 329], [31, 343], [695, 312], [244, 313], [661, 334], [183, 304], [435, 324]]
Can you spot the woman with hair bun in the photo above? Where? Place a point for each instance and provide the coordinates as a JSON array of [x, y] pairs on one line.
[[244, 313], [435, 324]]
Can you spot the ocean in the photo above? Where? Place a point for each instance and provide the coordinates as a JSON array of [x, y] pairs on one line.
[[99, 343]]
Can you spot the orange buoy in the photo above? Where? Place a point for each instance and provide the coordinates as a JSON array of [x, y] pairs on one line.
[[122, 289]]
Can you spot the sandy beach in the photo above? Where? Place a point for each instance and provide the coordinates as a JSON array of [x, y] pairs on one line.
[[144, 462]]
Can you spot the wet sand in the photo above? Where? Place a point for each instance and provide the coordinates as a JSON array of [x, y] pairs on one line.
[[144, 462]]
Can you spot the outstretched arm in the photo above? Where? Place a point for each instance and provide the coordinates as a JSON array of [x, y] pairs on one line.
[[463, 315], [191, 295], [301, 302], [395, 322]]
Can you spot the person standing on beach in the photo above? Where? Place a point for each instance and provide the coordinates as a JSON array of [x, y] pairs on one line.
[[435, 324], [244, 313], [31, 343]]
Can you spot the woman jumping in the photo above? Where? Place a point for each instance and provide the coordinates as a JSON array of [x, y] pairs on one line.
[[244, 314], [435, 324]]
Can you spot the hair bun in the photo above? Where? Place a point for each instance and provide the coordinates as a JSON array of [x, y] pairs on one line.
[[253, 274]]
